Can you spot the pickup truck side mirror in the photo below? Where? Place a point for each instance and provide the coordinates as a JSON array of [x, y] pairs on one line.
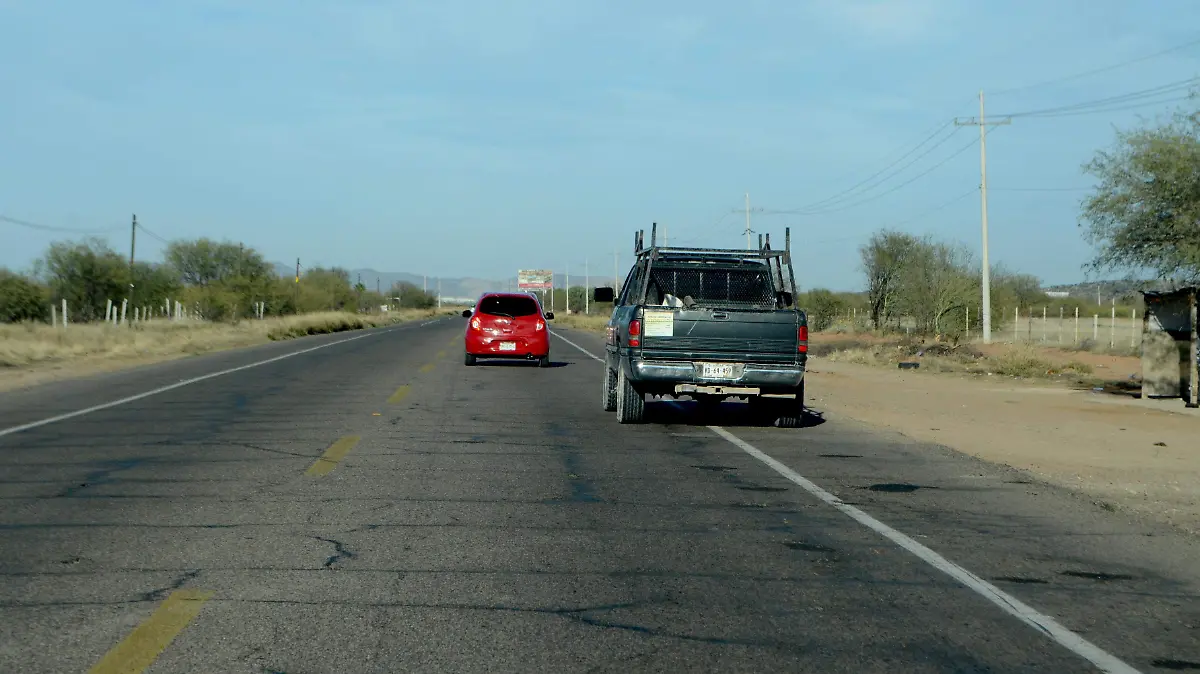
[[466, 313], [549, 315], [603, 295]]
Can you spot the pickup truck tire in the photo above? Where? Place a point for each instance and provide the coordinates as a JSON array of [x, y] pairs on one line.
[[609, 395], [791, 410], [469, 360], [631, 405]]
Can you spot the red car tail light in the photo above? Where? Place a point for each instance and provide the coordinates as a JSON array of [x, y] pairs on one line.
[[475, 324], [802, 339], [635, 332], [539, 326]]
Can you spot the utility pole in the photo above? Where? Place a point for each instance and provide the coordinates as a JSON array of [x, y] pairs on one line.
[[296, 289], [567, 282], [587, 287], [439, 288], [982, 123], [747, 221], [132, 246]]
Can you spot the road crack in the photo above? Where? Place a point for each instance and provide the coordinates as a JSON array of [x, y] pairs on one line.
[[162, 592], [340, 552]]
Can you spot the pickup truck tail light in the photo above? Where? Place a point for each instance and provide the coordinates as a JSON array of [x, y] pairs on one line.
[[802, 339], [635, 332]]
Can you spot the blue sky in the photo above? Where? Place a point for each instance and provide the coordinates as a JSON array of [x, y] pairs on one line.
[[470, 138]]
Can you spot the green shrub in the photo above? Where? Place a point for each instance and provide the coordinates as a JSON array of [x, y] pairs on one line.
[[21, 299]]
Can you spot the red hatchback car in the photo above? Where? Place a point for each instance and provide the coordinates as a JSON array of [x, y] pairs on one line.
[[508, 325]]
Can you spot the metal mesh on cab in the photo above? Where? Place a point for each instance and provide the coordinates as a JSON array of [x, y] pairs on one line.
[[714, 287]]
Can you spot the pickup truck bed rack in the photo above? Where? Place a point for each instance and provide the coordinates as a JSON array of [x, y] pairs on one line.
[[776, 260]]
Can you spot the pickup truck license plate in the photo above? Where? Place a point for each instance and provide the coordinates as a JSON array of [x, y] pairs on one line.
[[716, 370], [508, 346]]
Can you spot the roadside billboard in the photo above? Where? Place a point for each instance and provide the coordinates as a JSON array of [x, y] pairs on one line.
[[535, 279]]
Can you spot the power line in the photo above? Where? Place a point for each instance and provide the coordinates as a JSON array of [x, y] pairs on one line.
[[935, 209], [1121, 108], [832, 201], [152, 235], [848, 198], [1039, 189], [49, 228], [868, 200], [706, 231], [901, 223], [837, 196], [1170, 87], [1096, 71], [1159, 95]]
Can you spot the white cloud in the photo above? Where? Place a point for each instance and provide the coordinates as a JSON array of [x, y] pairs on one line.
[[461, 26], [888, 22]]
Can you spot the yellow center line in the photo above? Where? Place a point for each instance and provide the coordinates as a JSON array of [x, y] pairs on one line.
[[400, 394], [441, 354], [148, 640], [428, 367], [329, 460]]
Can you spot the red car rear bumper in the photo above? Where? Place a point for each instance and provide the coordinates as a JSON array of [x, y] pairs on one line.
[[494, 346]]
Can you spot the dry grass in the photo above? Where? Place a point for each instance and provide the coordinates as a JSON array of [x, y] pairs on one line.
[[592, 322], [33, 345], [1099, 348], [1021, 361]]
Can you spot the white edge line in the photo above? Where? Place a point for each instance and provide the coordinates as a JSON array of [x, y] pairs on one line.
[[587, 353], [184, 382], [1009, 604], [1046, 625]]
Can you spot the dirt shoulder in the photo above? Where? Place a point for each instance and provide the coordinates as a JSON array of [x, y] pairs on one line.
[[37, 354], [1128, 454]]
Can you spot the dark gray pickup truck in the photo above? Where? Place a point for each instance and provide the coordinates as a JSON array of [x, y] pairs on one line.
[[708, 324]]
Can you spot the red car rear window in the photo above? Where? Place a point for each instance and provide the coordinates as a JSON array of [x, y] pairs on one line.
[[508, 306]]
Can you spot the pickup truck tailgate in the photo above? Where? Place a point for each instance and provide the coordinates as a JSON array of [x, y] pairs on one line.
[[720, 335]]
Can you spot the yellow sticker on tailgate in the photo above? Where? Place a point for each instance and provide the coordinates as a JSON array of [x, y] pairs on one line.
[[658, 323]]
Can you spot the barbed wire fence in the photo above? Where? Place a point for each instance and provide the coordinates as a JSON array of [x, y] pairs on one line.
[[1116, 329]]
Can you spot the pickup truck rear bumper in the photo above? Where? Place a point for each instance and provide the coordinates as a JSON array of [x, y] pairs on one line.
[[765, 376]]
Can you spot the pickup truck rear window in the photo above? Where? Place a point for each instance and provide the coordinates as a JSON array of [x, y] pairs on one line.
[[750, 288], [508, 306]]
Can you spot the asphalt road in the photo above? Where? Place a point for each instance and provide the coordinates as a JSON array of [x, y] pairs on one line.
[[373, 505]]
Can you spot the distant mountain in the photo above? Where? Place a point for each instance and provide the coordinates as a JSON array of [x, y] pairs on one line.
[[1121, 289], [451, 287]]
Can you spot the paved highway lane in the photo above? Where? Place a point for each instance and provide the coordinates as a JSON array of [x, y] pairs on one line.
[[376, 506]]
